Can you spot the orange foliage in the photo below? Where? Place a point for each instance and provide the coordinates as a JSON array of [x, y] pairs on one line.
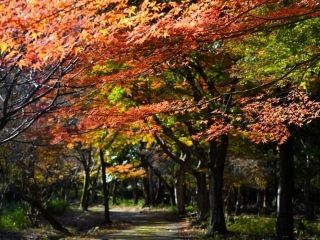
[[126, 171], [269, 120]]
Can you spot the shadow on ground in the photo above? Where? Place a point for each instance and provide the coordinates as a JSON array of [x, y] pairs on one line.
[[127, 224]]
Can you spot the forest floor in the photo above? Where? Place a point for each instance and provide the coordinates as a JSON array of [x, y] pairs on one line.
[[127, 223]]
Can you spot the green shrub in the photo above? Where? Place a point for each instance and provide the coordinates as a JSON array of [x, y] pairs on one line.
[[172, 210], [14, 217], [306, 228], [127, 203], [57, 206], [190, 209]]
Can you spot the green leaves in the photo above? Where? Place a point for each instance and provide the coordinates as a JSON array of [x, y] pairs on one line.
[[108, 68], [117, 94], [270, 55]]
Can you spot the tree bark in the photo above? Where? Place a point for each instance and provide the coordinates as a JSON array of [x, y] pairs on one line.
[[86, 162], [135, 191], [179, 191], [166, 184], [202, 196], [238, 201], [85, 191], [146, 192], [105, 188], [54, 223], [92, 188], [114, 192], [309, 212], [218, 153], [151, 186], [284, 227]]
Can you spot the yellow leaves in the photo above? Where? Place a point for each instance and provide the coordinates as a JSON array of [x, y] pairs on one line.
[[104, 32], [70, 145], [3, 47], [131, 10], [126, 171], [303, 85], [149, 139], [32, 1], [186, 141]]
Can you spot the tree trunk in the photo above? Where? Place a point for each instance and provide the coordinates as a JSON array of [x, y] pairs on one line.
[[105, 188], [54, 223], [239, 201], [135, 191], [76, 191], [179, 192], [85, 192], [92, 189], [172, 197], [160, 193], [218, 153], [146, 192], [308, 201], [308, 196], [284, 229], [202, 196], [166, 185], [151, 186], [114, 192]]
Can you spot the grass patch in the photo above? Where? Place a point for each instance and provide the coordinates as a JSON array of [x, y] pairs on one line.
[[127, 203], [190, 209], [264, 227], [57, 206], [172, 210], [305, 228], [14, 217], [251, 225]]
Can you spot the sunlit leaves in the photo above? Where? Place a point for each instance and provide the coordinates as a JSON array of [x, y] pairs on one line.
[[126, 171]]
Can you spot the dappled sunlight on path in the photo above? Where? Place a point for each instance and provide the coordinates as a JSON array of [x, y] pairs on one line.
[[143, 225], [128, 223]]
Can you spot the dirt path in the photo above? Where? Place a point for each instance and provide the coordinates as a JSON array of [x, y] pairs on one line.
[[128, 223], [137, 224]]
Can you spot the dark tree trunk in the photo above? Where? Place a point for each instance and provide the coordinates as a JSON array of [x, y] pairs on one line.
[[54, 223], [105, 188], [309, 212], [260, 201], [202, 196], [92, 189], [238, 201], [146, 192], [114, 192], [308, 201], [160, 193], [85, 192], [245, 196], [218, 153], [86, 163], [173, 200], [76, 190], [151, 186], [135, 191], [284, 229], [180, 191], [163, 181]]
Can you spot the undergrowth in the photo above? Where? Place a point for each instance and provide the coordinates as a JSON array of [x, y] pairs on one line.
[[14, 217]]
